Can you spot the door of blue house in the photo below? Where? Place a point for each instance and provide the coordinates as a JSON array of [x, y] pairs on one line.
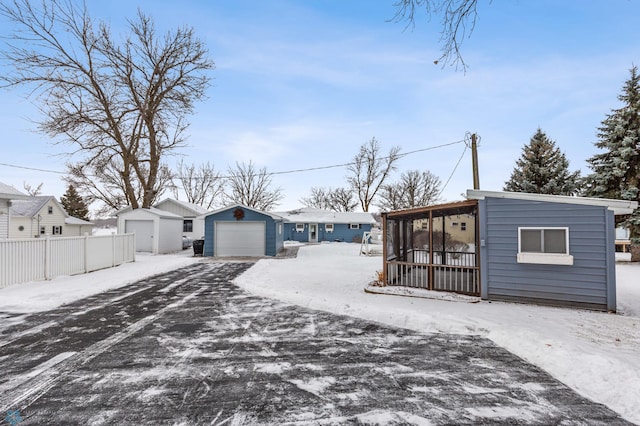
[[313, 232]]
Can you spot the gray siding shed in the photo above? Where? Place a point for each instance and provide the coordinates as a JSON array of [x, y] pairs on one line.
[[589, 282]]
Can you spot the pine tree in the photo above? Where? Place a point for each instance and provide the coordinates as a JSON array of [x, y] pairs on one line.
[[543, 169], [74, 204], [616, 170]]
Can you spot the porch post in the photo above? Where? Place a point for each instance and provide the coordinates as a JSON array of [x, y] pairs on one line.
[[430, 271]]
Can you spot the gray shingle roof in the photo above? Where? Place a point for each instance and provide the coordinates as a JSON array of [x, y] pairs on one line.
[[29, 207]]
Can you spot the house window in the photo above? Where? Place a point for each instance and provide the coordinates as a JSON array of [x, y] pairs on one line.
[[279, 229], [463, 226], [187, 225], [544, 245], [42, 230], [20, 228], [354, 226], [300, 227], [56, 230], [50, 210], [328, 227], [454, 223]]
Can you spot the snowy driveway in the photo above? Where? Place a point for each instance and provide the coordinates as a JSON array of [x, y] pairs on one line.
[[190, 347]]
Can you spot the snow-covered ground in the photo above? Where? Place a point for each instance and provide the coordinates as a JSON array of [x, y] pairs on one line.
[[597, 354]]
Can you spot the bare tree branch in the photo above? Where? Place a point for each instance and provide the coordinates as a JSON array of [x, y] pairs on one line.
[[369, 171], [458, 20], [338, 200], [251, 187], [202, 185], [120, 105], [414, 189]]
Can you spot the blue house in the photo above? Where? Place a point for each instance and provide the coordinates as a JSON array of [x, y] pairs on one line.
[[242, 231], [311, 225], [531, 248]]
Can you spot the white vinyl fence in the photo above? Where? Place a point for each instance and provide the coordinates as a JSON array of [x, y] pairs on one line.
[[37, 259]]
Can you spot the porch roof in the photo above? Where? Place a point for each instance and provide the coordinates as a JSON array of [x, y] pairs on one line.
[[459, 207]]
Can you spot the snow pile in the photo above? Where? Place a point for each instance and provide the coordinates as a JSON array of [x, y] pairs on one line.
[[595, 353], [37, 296]]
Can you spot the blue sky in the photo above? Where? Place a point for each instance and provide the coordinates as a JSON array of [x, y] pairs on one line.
[[302, 84]]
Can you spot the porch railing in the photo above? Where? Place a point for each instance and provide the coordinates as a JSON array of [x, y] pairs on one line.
[[458, 273]]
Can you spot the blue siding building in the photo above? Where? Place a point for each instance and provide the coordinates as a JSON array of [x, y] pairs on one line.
[[243, 231], [531, 248], [311, 225]]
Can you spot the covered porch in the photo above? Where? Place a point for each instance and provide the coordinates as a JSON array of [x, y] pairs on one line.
[[434, 248]]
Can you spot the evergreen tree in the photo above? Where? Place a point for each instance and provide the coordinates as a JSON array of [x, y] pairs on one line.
[[543, 169], [74, 204], [616, 170]]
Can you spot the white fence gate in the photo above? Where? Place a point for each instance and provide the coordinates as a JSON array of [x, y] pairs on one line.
[[36, 259]]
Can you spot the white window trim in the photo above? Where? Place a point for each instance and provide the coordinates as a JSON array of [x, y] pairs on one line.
[[299, 227], [354, 226], [328, 227], [544, 258]]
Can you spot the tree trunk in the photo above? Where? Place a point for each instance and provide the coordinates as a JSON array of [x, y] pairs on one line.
[[635, 252]]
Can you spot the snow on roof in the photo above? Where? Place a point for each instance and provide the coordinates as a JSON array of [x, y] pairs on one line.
[[31, 206], [619, 207], [71, 220], [196, 208], [9, 192], [311, 215], [152, 210]]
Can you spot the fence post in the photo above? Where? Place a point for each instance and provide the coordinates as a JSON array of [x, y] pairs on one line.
[[113, 249], [47, 258], [86, 252]]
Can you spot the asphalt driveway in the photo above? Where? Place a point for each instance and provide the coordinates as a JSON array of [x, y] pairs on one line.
[[190, 347]]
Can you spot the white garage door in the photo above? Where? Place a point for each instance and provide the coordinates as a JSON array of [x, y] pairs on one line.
[[144, 233], [240, 239]]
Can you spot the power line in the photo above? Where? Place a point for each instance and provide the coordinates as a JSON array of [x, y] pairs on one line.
[[309, 169]]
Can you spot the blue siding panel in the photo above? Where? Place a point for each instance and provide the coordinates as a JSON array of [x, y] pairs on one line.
[[588, 282], [341, 232], [274, 241]]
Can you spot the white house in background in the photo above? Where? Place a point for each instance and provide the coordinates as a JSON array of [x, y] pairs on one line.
[[7, 195], [157, 231], [192, 214], [44, 215]]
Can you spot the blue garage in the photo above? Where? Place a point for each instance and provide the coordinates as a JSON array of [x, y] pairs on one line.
[[239, 230]]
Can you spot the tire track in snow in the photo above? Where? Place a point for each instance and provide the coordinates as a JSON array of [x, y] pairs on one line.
[[33, 386]]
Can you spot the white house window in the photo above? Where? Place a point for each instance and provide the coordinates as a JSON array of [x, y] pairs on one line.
[[354, 226], [56, 230], [42, 230], [20, 228], [300, 227], [187, 225], [328, 227], [50, 210], [544, 245], [454, 223], [463, 226]]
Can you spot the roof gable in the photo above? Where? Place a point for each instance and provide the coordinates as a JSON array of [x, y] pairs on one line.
[[242, 206], [31, 206], [193, 208]]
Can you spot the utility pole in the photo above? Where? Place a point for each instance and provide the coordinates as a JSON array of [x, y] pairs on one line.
[[474, 159]]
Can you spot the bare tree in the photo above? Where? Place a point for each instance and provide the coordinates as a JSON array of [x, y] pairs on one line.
[[343, 200], [121, 105], [369, 171], [338, 200], [414, 189], [458, 22], [32, 191], [251, 187], [202, 185]]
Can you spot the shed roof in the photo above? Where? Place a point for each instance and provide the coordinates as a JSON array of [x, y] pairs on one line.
[[152, 210], [71, 220], [311, 215], [197, 210], [242, 206], [8, 192], [619, 207]]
